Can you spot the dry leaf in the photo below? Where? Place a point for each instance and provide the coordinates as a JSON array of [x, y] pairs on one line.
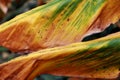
[[98, 58], [58, 23]]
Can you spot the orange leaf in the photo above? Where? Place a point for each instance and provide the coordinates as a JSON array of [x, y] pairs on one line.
[[93, 59], [58, 24]]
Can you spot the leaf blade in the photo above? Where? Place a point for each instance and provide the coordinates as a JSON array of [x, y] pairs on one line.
[[49, 28], [92, 59]]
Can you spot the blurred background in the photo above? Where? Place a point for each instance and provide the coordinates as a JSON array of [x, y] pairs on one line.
[[11, 8]]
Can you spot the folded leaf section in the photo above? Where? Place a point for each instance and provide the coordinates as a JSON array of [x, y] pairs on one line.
[[93, 59]]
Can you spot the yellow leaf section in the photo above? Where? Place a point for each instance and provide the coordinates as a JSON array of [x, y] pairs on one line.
[[58, 23], [98, 58]]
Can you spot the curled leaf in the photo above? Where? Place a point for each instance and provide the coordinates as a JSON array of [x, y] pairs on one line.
[[98, 58], [58, 23]]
